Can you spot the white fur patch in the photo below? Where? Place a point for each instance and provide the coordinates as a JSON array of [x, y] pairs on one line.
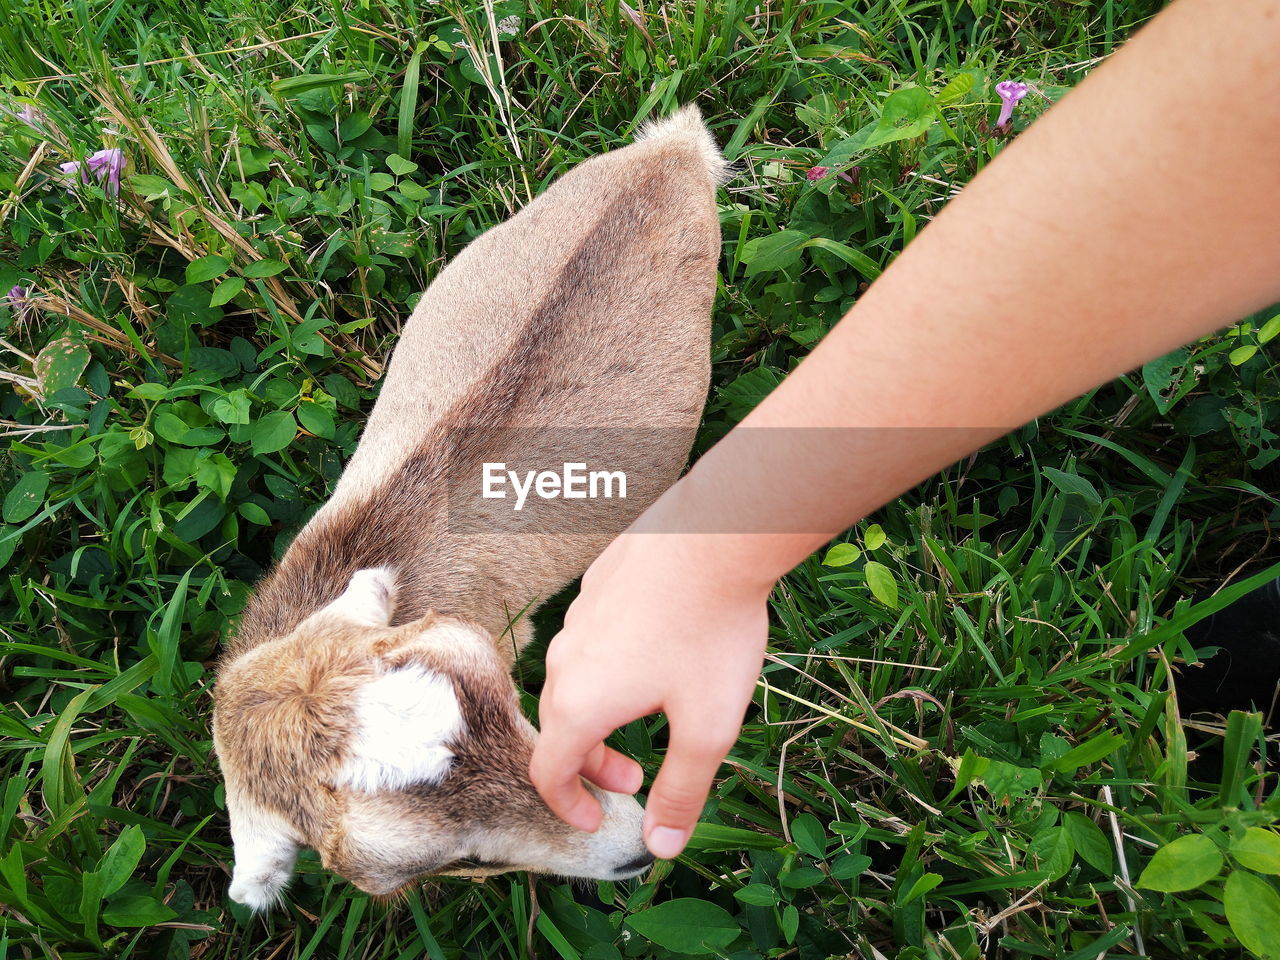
[[264, 854], [369, 598], [406, 719]]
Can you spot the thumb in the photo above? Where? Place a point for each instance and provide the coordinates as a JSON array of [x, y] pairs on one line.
[[680, 790]]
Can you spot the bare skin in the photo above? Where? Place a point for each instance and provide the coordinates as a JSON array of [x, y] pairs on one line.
[[1139, 214]]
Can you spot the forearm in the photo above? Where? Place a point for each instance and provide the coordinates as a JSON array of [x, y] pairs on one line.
[[1140, 213]]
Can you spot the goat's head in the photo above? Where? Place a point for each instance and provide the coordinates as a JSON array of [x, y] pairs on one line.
[[395, 752]]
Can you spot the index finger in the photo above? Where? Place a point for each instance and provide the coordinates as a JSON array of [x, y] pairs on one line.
[[562, 752]]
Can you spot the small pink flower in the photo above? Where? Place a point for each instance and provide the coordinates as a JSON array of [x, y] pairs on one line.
[[30, 115], [105, 166], [817, 173], [1011, 91]]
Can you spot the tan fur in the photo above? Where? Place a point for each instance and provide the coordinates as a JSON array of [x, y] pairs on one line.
[[580, 325]]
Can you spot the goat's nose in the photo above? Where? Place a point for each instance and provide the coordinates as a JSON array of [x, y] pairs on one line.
[[633, 867]]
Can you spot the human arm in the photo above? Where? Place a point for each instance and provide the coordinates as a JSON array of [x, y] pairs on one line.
[[1141, 212]]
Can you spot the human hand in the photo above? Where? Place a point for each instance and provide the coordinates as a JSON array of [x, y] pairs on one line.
[[656, 628]]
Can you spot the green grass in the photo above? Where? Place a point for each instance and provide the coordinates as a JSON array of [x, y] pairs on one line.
[[966, 761]]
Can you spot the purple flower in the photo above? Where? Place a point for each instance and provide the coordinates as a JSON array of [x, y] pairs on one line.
[[1011, 91], [105, 165], [19, 300], [30, 115]]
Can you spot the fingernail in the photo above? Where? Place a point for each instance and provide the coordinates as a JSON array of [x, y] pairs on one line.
[[667, 842]]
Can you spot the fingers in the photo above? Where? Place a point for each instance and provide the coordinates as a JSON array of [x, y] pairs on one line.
[[611, 770], [680, 790], [561, 753]]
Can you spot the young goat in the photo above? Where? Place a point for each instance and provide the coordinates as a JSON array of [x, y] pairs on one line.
[[365, 707]]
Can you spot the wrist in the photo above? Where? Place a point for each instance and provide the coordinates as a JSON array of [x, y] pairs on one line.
[[730, 566]]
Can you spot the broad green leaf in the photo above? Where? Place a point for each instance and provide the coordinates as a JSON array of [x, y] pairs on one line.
[[272, 432], [850, 866], [874, 538], [774, 252], [189, 305], [741, 394], [316, 419], [400, 166], [354, 126], [216, 472], [1242, 355], [171, 427], [14, 873], [206, 268], [1007, 781], [1090, 842], [150, 187], [1253, 910], [1270, 330], [790, 922], [841, 555], [149, 391], [413, 190], [88, 901], [138, 910], [957, 87], [807, 832], [233, 408], [1160, 374], [394, 243], [255, 514], [60, 364], [757, 895], [907, 113], [1053, 852], [227, 290], [26, 496], [121, 859], [1258, 850], [8, 544], [845, 150], [263, 268], [802, 877], [1184, 864], [881, 584], [175, 430], [687, 925]]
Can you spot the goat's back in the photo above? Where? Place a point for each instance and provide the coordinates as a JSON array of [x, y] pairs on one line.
[[576, 330]]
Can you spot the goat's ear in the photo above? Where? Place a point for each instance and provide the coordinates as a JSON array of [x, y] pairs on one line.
[[265, 850], [369, 600], [406, 721]]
